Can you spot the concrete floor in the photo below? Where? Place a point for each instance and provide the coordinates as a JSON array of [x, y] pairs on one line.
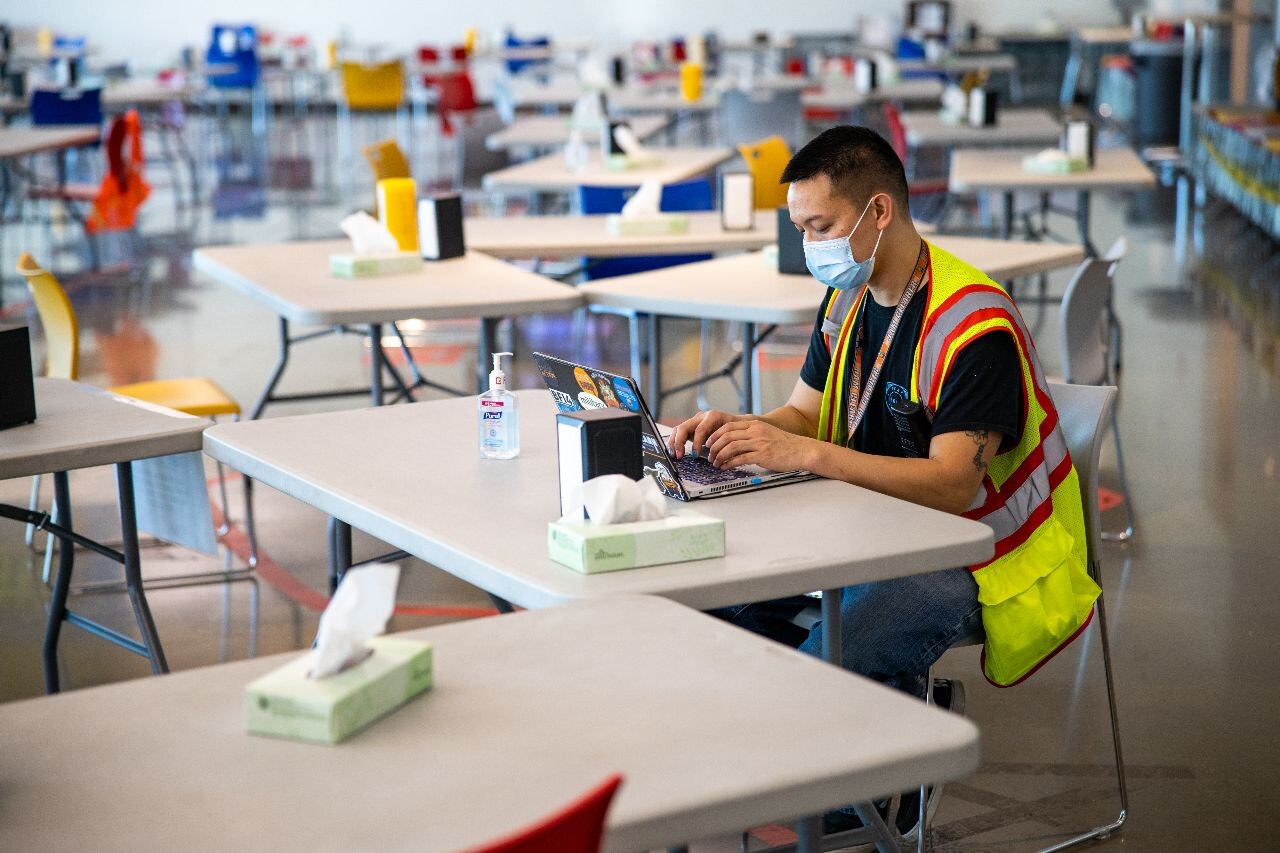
[[1190, 598]]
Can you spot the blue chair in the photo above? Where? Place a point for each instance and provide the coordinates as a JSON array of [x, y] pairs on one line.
[[515, 66], [66, 106], [233, 57], [681, 197]]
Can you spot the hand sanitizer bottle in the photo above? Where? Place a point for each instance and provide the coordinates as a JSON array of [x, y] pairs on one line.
[[499, 422]]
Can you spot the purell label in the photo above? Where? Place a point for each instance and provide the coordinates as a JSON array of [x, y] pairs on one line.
[[493, 416]]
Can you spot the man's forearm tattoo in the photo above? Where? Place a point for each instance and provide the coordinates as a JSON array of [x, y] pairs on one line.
[[980, 437]]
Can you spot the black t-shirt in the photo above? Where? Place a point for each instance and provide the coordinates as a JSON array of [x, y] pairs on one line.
[[983, 388]]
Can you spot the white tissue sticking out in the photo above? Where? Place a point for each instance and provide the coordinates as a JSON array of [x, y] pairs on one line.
[[629, 142], [592, 73], [615, 499], [646, 201], [368, 235], [358, 610], [587, 112]]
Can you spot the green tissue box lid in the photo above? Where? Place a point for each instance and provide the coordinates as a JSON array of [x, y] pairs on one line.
[[622, 162], [286, 703], [661, 223]]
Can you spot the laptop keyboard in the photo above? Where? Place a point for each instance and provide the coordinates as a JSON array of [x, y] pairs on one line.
[[695, 469]]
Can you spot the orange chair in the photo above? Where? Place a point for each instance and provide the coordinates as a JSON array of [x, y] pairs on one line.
[[375, 90], [387, 160], [577, 828], [197, 396]]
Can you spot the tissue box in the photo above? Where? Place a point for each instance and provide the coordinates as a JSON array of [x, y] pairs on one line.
[[285, 703], [593, 548], [622, 162], [663, 223], [1056, 166], [384, 263]]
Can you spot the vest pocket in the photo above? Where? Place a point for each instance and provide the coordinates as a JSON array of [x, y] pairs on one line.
[[1033, 600]]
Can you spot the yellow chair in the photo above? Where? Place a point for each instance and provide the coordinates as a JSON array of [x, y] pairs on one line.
[[196, 396], [379, 86], [387, 160], [766, 159]]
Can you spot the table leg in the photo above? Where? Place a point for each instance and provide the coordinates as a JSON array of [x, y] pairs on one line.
[[339, 552], [133, 569], [747, 402], [1082, 219], [653, 390], [61, 583], [375, 364], [809, 834], [1006, 217], [267, 390]]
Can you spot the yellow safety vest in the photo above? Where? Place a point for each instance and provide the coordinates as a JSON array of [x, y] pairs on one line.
[[1036, 593]]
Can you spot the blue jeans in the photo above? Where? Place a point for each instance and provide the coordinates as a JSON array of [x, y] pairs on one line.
[[893, 630]]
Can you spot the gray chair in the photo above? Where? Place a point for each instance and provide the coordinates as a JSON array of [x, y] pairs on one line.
[[1083, 413], [1090, 337], [475, 158], [751, 116]]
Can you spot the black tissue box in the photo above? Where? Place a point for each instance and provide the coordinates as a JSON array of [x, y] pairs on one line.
[[17, 385], [440, 227], [594, 442]]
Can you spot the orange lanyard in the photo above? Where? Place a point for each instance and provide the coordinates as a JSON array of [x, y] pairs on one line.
[[860, 397]]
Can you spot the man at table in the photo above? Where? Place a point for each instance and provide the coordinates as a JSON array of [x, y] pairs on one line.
[[905, 322]]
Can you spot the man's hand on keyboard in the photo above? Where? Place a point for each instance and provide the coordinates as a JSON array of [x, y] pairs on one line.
[[755, 442], [698, 429]]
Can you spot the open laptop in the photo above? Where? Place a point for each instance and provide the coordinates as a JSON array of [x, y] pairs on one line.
[[576, 386]]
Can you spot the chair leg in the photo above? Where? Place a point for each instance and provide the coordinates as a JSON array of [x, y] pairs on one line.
[[250, 526], [52, 543], [33, 505], [1126, 534], [222, 494], [1115, 826]]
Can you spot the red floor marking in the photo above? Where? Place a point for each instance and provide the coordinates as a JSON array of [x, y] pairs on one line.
[[774, 835], [288, 584], [1108, 499]]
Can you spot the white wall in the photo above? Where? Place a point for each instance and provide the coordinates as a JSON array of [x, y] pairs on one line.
[[151, 31]]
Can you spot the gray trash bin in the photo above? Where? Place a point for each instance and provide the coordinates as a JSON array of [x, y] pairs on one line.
[[1157, 67]]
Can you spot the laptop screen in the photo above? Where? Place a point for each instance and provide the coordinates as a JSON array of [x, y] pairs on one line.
[[575, 387]]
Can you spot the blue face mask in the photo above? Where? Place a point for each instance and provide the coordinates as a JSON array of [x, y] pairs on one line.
[[832, 261]]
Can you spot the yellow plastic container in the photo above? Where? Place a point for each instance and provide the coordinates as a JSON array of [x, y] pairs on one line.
[[691, 81], [398, 210]]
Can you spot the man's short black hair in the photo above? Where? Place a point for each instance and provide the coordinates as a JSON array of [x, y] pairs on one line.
[[858, 161]]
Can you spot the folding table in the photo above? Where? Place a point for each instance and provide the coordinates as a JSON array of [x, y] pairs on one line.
[[79, 426], [703, 720]]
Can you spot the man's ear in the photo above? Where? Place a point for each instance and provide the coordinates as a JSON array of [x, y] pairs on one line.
[[884, 209]]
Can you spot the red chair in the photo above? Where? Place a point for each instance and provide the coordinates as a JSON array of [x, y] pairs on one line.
[[428, 55], [455, 93], [795, 67], [578, 828], [458, 53]]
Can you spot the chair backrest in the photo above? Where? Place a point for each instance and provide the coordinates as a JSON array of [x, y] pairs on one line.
[[682, 197], [66, 106], [376, 86], [475, 158], [745, 116], [61, 331], [124, 188], [387, 160], [515, 66], [766, 159], [577, 828], [232, 57], [1085, 328], [1083, 412], [897, 131], [455, 93]]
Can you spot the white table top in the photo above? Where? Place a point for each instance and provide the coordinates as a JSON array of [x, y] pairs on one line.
[[527, 713], [143, 93], [21, 141], [1105, 35], [80, 426], [485, 521], [749, 288], [646, 100], [551, 131], [551, 236], [1013, 127], [1115, 168], [549, 173], [848, 98], [293, 280]]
